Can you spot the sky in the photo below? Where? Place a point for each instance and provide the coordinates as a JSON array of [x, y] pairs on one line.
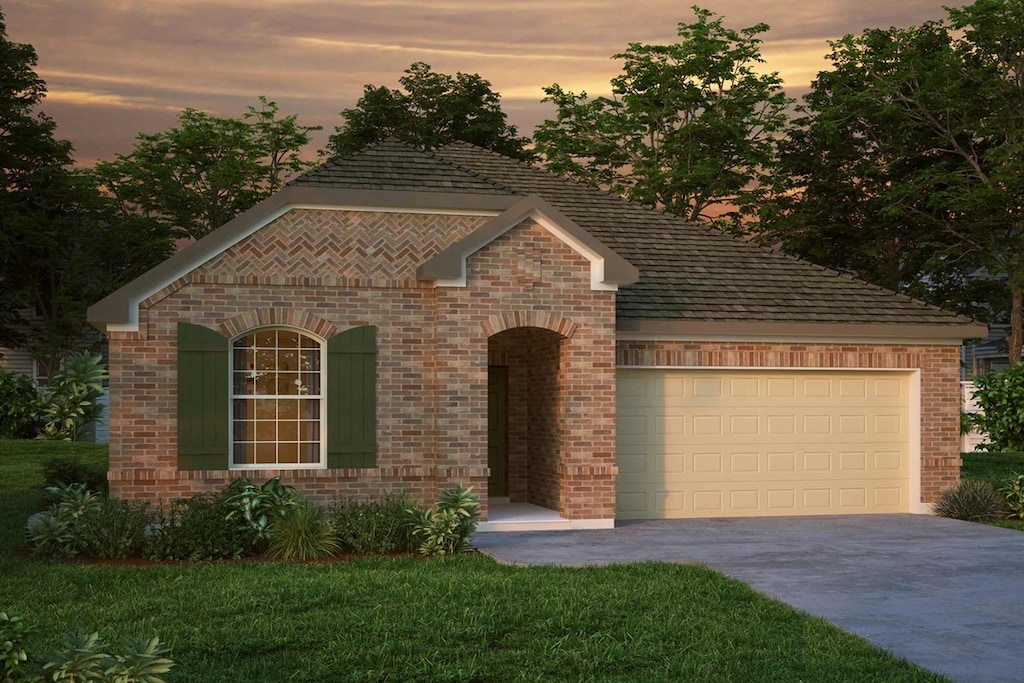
[[115, 68]]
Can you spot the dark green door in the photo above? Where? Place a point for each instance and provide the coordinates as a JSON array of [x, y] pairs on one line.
[[497, 430]]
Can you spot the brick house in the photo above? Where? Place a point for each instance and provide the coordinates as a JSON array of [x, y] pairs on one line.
[[400, 319]]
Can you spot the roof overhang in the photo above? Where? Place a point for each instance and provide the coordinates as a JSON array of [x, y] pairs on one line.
[[699, 330], [119, 311], [608, 270]]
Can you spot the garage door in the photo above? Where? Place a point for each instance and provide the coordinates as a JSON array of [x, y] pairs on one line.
[[710, 443]]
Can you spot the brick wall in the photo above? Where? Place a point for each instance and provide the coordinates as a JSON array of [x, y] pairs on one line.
[[940, 374], [327, 271]]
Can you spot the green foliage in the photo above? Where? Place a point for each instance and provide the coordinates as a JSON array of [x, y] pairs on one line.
[[58, 533], [116, 529], [85, 658], [14, 633], [64, 470], [19, 407], [972, 500], [995, 467], [257, 508], [302, 533], [373, 526], [70, 400], [690, 127], [445, 528], [435, 110], [197, 528], [1013, 496], [1000, 399], [199, 175]]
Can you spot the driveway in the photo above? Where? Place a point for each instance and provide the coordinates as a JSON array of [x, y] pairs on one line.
[[942, 593]]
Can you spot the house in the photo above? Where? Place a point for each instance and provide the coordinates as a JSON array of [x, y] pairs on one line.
[[400, 319]]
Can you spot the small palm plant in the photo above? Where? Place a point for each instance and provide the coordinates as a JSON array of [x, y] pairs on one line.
[[446, 528]]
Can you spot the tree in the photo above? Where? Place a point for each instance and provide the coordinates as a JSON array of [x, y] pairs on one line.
[[435, 110], [935, 114], [199, 175], [690, 127], [59, 249]]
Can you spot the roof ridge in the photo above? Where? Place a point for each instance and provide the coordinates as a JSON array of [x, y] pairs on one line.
[[497, 184]]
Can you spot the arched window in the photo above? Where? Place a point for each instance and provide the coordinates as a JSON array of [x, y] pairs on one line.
[[277, 400]]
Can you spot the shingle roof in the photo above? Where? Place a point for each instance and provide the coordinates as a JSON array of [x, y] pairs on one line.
[[687, 271]]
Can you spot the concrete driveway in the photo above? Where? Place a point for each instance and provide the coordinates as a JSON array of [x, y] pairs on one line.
[[944, 594]]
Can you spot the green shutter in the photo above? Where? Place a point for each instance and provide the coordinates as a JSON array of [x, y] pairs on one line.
[[352, 398], [203, 399]]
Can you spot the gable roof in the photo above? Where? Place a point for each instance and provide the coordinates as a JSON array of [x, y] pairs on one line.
[[693, 279]]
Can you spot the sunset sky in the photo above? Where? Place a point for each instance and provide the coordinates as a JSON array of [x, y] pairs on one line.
[[115, 68]]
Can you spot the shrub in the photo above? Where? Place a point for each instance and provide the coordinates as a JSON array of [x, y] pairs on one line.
[[57, 534], [66, 470], [19, 406], [1013, 496], [302, 533], [197, 528], [970, 500], [14, 632], [69, 402], [446, 528], [1000, 396], [84, 658], [373, 526], [114, 530], [256, 508]]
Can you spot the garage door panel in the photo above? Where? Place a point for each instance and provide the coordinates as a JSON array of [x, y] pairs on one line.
[[739, 443]]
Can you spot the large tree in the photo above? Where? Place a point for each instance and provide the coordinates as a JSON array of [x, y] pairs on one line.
[[197, 176], [912, 155], [59, 248], [690, 127], [434, 110]]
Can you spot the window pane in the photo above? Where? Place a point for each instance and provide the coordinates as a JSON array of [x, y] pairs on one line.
[[243, 408], [311, 360], [288, 453], [242, 430], [287, 360], [266, 359], [266, 339], [266, 409], [310, 452], [311, 409], [288, 430], [266, 430], [310, 430], [242, 384], [266, 454], [311, 380], [243, 453], [245, 342], [287, 339], [287, 409], [288, 383]]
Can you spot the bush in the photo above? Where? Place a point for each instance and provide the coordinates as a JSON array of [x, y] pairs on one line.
[[446, 528], [70, 400], [302, 533], [19, 406], [1001, 398], [970, 500], [58, 533], [1013, 496], [67, 470], [373, 526], [114, 530], [198, 528], [81, 658], [256, 508]]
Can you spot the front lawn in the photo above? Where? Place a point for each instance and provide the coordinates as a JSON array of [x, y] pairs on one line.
[[409, 619], [995, 467]]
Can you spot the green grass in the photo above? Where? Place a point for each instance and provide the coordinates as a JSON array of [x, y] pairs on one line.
[[996, 467], [409, 619]]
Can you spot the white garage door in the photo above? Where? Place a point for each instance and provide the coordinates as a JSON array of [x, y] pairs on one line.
[[720, 443]]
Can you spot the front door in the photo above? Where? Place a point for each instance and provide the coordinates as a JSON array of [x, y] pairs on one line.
[[497, 430]]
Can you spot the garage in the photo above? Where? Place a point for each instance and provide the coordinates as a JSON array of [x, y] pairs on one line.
[[731, 443]]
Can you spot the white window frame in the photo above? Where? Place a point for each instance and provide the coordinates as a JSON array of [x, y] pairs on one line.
[[232, 396]]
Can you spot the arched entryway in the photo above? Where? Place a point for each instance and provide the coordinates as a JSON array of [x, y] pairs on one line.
[[525, 416]]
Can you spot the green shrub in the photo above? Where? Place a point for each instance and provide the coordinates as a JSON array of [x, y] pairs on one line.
[[972, 500], [373, 526], [1013, 496], [114, 530], [256, 508], [62, 471], [14, 632], [19, 406], [302, 533], [85, 658], [1000, 397], [446, 528], [57, 534], [70, 400], [197, 528]]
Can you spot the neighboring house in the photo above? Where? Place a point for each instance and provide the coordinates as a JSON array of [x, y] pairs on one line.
[[399, 319], [19, 361], [987, 355]]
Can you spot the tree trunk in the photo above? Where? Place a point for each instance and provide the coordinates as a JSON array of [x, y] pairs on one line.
[[1016, 337]]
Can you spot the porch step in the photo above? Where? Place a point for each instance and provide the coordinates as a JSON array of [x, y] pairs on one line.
[[527, 517]]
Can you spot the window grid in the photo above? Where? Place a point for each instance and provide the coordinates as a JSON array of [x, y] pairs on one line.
[[277, 400]]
